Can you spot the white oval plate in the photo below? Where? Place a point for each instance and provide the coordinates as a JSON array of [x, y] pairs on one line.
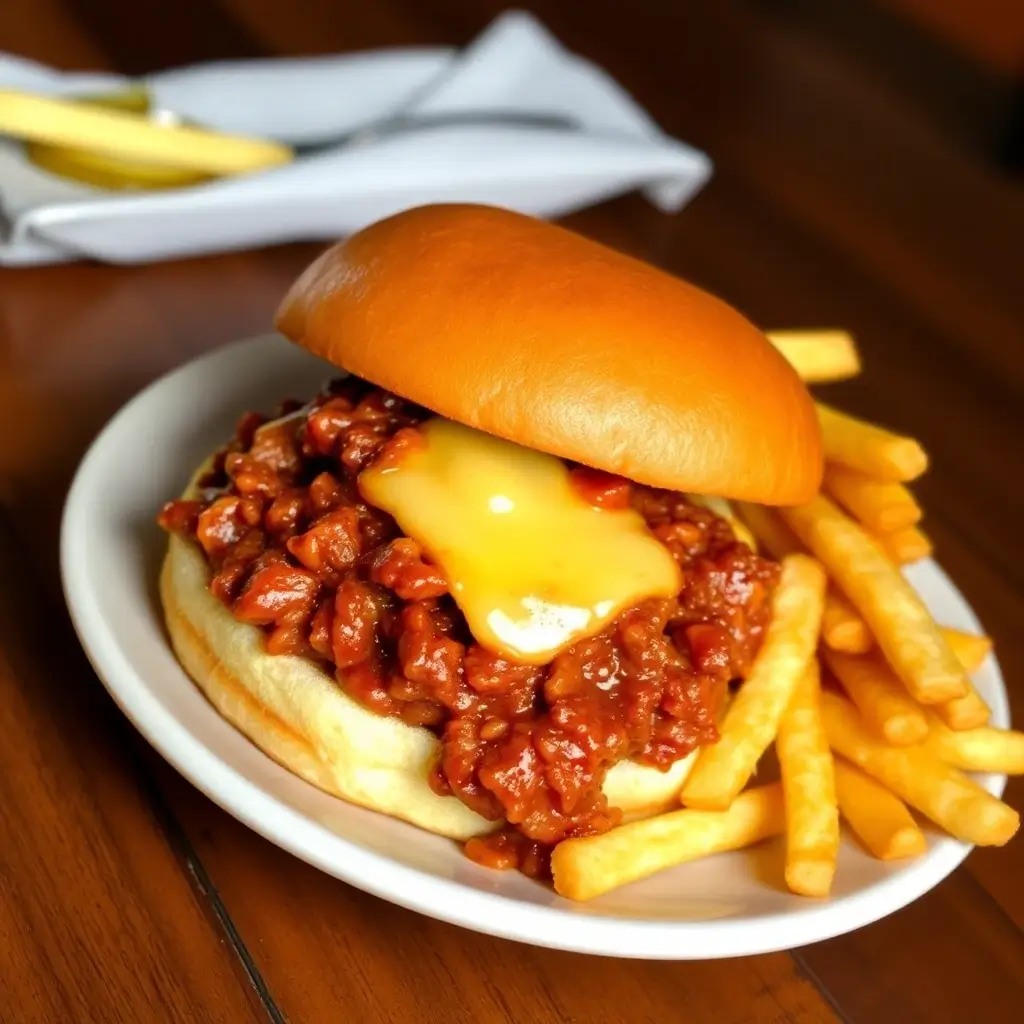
[[728, 905]]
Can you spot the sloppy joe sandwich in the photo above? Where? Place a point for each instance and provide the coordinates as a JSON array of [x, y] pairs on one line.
[[488, 580]]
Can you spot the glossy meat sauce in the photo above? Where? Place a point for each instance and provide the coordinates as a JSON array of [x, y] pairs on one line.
[[295, 550]]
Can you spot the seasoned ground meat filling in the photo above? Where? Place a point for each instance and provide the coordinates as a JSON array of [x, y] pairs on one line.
[[295, 550]]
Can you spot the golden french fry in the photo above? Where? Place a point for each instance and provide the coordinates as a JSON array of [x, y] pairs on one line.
[[970, 649], [879, 505], [884, 704], [842, 627], [902, 625], [879, 818], [869, 449], [808, 784], [970, 711], [772, 534], [905, 546], [587, 867], [977, 750], [752, 719], [951, 799], [818, 355]]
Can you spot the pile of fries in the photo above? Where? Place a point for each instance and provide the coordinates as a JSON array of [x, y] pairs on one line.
[[898, 721]]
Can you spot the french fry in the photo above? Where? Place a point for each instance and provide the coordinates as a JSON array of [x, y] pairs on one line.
[[752, 720], [772, 534], [977, 750], [939, 791], [902, 626], [844, 630], [906, 545], [818, 355], [808, 783], [877, 816], [881, 506], [971, 711], [872, 450], [884, 704], [970, 649], [587, 867], [842, 627]]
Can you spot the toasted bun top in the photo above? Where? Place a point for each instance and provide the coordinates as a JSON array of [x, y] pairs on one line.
[[536, 334]]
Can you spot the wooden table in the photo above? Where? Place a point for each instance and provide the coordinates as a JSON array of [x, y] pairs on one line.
[[125, 895]]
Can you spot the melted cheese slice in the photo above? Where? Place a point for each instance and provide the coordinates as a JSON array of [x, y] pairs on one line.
[[532, 566]]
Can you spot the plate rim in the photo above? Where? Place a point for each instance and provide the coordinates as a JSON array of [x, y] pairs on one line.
[[552, 926]]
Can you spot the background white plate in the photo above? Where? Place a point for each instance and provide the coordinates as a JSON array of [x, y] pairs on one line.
[[729, 905]]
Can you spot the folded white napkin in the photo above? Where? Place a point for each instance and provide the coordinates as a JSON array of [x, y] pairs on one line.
[[515, 65]]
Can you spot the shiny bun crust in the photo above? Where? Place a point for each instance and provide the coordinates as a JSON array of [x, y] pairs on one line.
[[295, 712], [536, 334]]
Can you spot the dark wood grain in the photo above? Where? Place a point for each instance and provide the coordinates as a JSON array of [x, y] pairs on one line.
[[326, 948], [138, 38], [837, 199], [98, 920]]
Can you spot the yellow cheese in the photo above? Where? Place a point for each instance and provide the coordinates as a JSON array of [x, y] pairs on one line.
[[532, 566]]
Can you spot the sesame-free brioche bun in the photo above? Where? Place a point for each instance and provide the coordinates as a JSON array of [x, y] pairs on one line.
[[540, 336], [297, 713]]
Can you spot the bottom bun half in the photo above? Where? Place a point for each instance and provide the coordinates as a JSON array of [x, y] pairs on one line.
[[297, 714]]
